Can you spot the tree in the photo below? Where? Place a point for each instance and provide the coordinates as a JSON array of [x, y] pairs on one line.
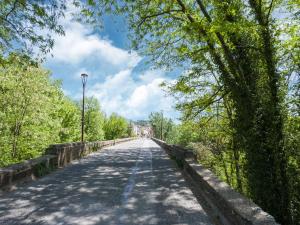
[[236, 43], [69, 115], [115, 127], [94, 120], [27, 112], [34, 112], [161, 126]]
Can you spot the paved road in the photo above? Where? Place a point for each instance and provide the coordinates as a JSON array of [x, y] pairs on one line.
[[132, 183]]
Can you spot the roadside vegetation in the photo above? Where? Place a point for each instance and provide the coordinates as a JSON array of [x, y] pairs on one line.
[[34, 111]]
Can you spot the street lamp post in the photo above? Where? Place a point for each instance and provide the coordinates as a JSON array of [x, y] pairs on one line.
[[84, 80], [161, 125]]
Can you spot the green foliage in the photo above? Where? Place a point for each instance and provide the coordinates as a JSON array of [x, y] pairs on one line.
[[115, 127], [292, 144], [35, 113], [94, 120], [25, 24], [211, 139], [69, 115], [161, 125], [184, 133], [27, 110]]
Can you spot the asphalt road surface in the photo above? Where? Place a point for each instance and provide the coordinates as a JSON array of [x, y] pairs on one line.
[[132, 183]]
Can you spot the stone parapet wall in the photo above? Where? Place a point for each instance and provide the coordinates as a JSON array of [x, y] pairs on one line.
[[56, 156], [236, 208], [70, 151]]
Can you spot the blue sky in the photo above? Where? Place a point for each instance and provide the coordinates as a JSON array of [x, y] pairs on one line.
[[118, 77]]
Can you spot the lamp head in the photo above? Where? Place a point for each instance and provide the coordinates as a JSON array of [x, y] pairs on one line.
[[84, 77]]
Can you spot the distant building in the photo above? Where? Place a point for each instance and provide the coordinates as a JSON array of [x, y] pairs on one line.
[[142, 130], [147, 131]]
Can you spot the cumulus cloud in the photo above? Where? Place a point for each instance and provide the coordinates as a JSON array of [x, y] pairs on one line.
[[133, 99], [80, 42]]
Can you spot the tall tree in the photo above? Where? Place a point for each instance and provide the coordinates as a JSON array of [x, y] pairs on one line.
[[94, 120], [69, 116], [27, 110], [161, 125], [115, 127], [237, 42]]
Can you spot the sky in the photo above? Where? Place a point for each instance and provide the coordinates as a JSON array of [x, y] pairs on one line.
[[118, 77]]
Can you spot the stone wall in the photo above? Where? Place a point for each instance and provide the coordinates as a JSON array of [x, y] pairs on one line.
[[234, 207], [56, 156]]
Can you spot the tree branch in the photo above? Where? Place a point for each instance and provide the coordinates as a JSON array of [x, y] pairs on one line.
[[12, 9], [216, 57], [144, 19], [270, 9]]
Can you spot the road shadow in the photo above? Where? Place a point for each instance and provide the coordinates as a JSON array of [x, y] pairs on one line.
[[125, 184]]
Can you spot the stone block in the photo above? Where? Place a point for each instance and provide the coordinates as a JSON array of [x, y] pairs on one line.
[[27, 170]]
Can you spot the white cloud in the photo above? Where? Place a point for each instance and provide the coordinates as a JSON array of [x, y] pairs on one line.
[[145, 93], [150, 75], [133, 99], [80, 43]]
